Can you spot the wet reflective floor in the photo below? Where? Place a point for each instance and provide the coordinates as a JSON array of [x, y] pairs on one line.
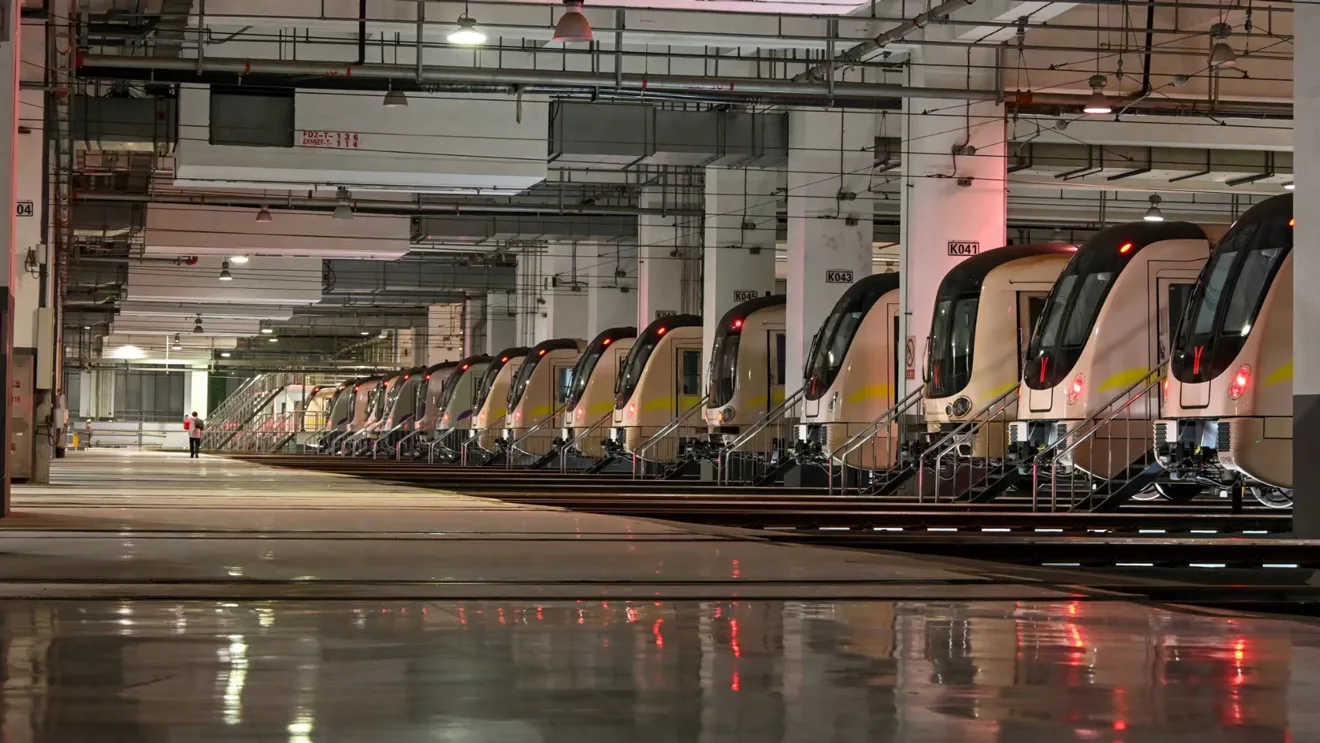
[[388, 614]]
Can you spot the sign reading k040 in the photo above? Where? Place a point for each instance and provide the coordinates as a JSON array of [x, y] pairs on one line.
[[964, 247], [837, 276]]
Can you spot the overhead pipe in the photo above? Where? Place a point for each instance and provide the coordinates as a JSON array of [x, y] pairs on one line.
[[866, 48], [398, 208]]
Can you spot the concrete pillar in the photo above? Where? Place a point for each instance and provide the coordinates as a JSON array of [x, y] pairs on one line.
[[9, 147], [665, 245], [474, 325], [955, 191], [444, 334], [530, 301], [611, 286], [565, 293], [829, 219], [501, 322], [195, 392], [742, 218], [1306, 272]]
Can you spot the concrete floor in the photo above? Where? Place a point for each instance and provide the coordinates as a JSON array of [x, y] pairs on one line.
[[154, 598]]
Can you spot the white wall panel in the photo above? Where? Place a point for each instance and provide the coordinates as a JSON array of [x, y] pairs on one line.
[[176, 229], [263, 281]]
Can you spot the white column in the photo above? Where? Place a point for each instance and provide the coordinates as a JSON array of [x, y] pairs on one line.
[[952, 206], [611, 297], [444, 333], [195, 387], [566, 296], [528, 301], [501, 322], [9, 145], [742, 217], [1306, 272], [659, 259], [474, 325], [830, 227]]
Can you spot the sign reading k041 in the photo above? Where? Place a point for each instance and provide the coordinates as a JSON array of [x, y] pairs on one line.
[[964, 248], [837, 276]]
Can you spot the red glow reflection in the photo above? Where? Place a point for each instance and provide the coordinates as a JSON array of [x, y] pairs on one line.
[[655, 630]]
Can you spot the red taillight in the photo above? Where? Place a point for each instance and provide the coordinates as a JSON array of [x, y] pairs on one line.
[[428, 378], [465, 367], [661, 331], [517, 415], [632, 408], [1166, 389], [737, 323], [1125, 248], [542, 352], [606, 342], [1240, 381], [503, 359], [1075, 389], [1292, 222], [580, 412]]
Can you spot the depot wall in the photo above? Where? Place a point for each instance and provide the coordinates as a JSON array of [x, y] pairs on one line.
[[174, 229]]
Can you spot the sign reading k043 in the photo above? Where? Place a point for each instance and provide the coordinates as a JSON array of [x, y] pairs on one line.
[[838, 276]]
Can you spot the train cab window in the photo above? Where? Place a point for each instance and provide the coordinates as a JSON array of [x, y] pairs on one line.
[[520, 380], [487, 382], [633, 367], [581, 374], [1070, 314], [780, 361], [830, 346], [724, 368], [1229, 294], [952, 333], [690, 369], [563, 384]]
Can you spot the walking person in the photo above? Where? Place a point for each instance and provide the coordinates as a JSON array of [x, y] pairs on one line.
[[195, 426]]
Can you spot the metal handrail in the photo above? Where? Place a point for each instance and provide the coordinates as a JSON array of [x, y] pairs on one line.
[[779, 411], [670, 427], [886, 418], [1087, 430], [513, 446], [574, 444], [375, 445], [969, 427], [473, 438]]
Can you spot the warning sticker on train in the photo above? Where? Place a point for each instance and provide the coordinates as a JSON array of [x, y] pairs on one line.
[[836, 276], [964, 247]]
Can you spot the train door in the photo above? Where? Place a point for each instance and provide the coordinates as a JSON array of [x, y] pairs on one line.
[[687, 375], [1030, 305], [1171, 296], [897, 356], [776, 343]]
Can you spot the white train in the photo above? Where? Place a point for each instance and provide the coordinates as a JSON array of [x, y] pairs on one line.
[[1104, 333], [746, 370], [591, 399], [492, 398], [539, 393], [1228, 403], [661, 379]]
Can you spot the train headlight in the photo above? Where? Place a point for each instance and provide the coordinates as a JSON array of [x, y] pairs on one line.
[[727, 414], [1240, 381], [1075, 389], [960, 407]]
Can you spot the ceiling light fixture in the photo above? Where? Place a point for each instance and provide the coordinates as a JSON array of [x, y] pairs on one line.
[[263, 216], [1289, 186], [273, 339], [225, 354], [394, 99], [177, 345], [224, 272], [267, 331], [1098, 103], [197, 325], [238, 260], [573, 26], [129, 352], [365, 332], [344, 210], [1221, 54], [1153, 214], [467, 32]]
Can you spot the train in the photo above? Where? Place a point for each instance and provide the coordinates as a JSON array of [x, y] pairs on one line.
[[970, 363], [1228, 407], [851, 376], [660, 381], [1087, 391], [746, 371], [449, 417], [492, 399], [590, 402], [538, 396]]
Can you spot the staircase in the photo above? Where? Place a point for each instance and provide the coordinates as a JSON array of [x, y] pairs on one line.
[[243, 422], [969, 464]]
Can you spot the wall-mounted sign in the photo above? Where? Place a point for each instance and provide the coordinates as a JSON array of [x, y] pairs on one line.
[[332, 140], [964, 248], [664, 313], [24, 209], [910, 358], [836, 276], [745, 296]]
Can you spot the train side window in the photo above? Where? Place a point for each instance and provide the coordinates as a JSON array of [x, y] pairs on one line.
[[690, 367], [780, 360], [563, 384]]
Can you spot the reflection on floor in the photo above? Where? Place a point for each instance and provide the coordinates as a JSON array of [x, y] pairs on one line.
[[158, 604]]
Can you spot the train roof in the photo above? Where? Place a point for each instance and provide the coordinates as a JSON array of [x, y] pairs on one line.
[[743, 309], [1275, 207], [967, 276], [554, 344], [511, 353], [669, 322], [605, 337], [433, 368], [1131, 238], [466, 362], [881, 282]]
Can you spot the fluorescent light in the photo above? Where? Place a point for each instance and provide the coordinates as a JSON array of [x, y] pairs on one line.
[[1289, 186], [267, 331], [225, 354], [273, 339], [129, 352], [238, 260], [467, 33]]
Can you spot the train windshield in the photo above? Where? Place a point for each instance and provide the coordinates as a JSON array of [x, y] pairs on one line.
[[951, 335], [830, 346], [582, 373], [1229, 294], [633, 367], [724, 368], [1069, 314], [520, 380], [487, 382]]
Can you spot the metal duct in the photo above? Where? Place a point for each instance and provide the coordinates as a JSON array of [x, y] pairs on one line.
[[623, 135], [464, 229], [424, 277], [119, 124]]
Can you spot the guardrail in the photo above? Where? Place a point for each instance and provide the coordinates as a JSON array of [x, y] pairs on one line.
[[949, 472], [663, 436], [515, 446], [574, 445], [759, 463], [853, 453]]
